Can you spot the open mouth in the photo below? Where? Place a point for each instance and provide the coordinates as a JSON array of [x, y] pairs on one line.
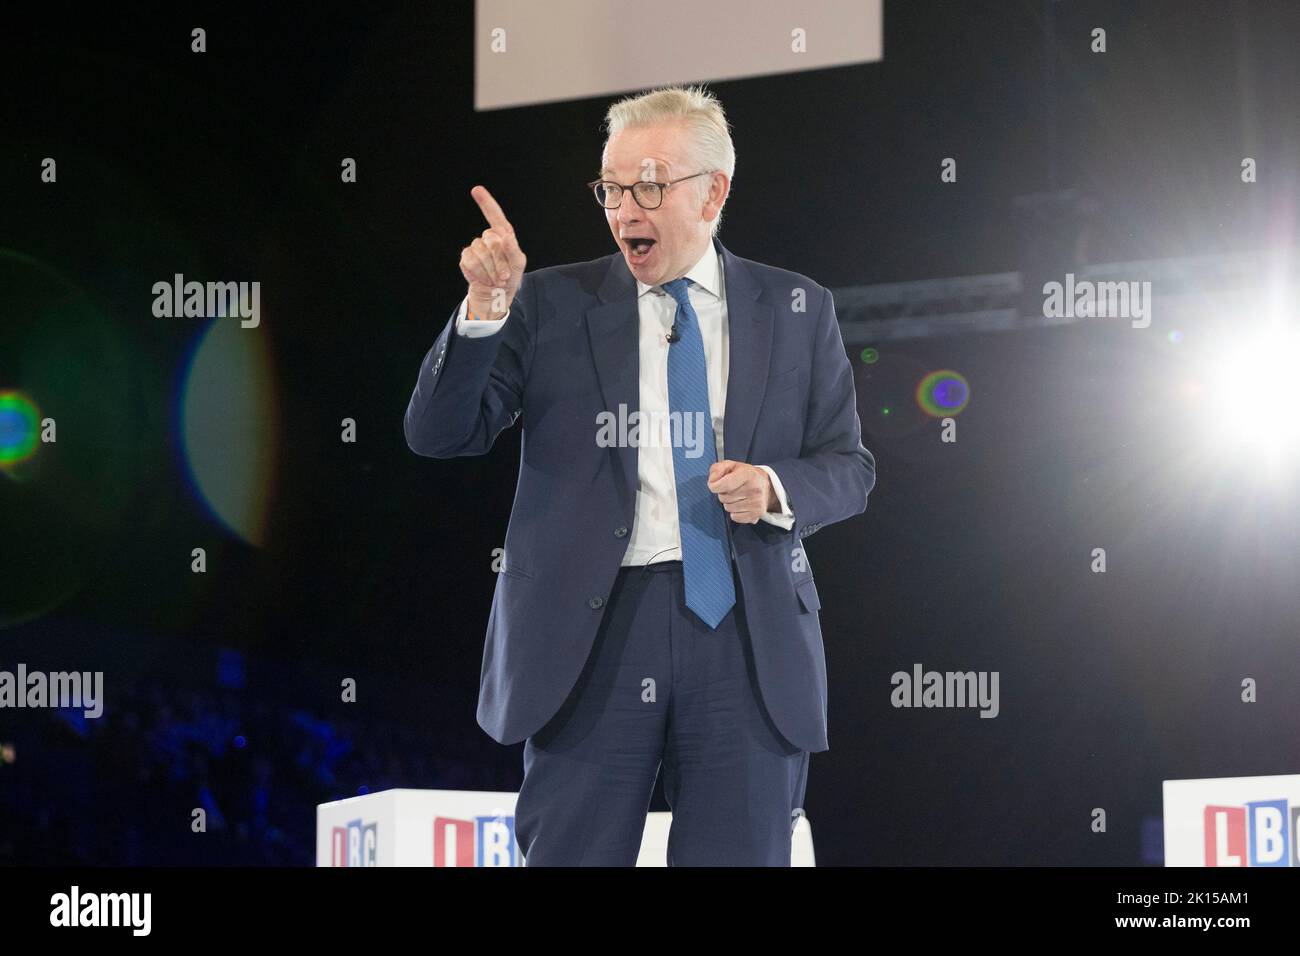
[[639, 249]]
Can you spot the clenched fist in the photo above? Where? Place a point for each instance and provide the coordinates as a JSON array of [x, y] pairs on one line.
[[493, 264]]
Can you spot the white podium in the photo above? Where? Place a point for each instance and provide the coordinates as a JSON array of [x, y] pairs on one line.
[[1233, 821], [460, 828]]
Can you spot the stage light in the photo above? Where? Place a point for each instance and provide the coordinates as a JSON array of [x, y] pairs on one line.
[[1252, 394]]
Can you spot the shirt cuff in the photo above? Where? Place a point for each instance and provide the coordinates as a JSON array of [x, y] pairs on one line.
[[785, 519], [477, 328]]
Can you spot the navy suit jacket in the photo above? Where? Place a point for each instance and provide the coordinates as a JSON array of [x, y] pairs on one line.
[[570, 351]]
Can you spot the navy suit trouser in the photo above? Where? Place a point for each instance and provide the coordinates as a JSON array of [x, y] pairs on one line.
[[661, 688]]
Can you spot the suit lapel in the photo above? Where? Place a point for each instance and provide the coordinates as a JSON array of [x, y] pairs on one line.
[[614, 331], [749, 354]]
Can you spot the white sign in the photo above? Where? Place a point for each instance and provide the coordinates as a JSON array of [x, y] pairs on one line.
[[460, 828], [1233, 821], [527, 52]]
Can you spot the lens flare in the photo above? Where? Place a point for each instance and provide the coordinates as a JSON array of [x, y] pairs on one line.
[[942, 393], [229, 422], [19, 428]]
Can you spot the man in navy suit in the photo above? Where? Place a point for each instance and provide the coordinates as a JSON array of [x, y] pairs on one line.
[[655, 607]]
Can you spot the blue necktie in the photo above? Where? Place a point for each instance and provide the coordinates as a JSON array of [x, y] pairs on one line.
[[706, 555]]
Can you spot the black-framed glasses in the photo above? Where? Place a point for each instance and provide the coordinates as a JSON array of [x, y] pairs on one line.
[[648, 195]]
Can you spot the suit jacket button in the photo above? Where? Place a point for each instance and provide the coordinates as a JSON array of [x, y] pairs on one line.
[[619, 532], [596, 602]]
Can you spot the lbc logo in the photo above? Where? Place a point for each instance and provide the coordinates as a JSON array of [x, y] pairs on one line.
[[483, 841], [357, 844], [1257, 834]]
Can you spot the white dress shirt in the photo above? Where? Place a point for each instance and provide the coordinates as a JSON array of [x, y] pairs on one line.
[[655, 534]]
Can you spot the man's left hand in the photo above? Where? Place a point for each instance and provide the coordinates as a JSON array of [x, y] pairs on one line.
[[744, 490]]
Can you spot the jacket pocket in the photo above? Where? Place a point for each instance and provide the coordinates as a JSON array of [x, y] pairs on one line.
[[807, 591]]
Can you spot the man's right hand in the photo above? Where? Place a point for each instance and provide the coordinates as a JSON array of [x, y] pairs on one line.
[[492, 264]]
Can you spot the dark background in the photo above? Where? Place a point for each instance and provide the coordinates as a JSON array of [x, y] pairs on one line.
[[378, 564]]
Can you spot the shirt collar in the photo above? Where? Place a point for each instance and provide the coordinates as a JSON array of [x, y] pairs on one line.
[[706, 273]]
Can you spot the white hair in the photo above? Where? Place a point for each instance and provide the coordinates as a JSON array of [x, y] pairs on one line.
[[708, 142]]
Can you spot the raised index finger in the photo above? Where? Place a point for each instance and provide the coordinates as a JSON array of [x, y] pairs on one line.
[[491, 210]]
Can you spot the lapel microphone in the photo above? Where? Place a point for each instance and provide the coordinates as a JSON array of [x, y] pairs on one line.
[[673, 335]]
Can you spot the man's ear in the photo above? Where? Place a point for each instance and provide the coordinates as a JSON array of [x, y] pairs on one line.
[[719, 189]]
